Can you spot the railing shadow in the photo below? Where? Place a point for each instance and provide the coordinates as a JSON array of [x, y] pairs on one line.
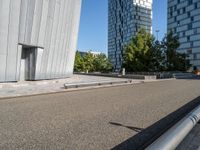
[[144, 138], [136, 129]]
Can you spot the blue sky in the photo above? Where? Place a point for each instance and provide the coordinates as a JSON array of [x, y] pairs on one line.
[[93, 29]]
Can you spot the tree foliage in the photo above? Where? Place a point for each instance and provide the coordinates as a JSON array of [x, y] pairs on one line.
[[79, 63], [102, 64], [88, 61], [175, 61], [92, 63], [144, 53]]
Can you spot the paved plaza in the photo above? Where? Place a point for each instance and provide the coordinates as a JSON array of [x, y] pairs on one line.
[[192, 141], [104, 118], [49, 86]]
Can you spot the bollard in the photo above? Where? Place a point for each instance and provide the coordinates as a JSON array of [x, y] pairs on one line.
[[123, 72]]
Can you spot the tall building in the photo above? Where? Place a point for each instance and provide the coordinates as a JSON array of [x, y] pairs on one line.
[[126, 17], [38, 38], [184, 21]]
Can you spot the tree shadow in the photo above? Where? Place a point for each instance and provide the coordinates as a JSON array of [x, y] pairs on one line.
[[144, 138], [136, 129], [186, 78]]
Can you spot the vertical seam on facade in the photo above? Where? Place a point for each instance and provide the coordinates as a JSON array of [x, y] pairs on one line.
[[39, 71], [50, 39], [17, 59], [58, 70], [33, 18], [55, 42], [26, 21], [8, 40], [40, 23], [63, 43], [44, 38], [67, 40]]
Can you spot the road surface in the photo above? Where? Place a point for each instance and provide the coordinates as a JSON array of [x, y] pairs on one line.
[[106, 118]]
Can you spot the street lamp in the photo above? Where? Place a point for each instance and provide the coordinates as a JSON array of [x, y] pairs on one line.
[[157, 31]]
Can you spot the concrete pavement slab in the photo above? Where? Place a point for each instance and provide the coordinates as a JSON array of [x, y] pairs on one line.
[[192, 141], [105, 118], [26, 88]]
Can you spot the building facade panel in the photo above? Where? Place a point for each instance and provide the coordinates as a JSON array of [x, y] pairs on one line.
[[12, 39], [34, 36], [126, 17], [184, 21], [4, 15]]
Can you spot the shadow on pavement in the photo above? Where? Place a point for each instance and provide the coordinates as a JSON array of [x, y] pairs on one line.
[[136, 129], [147, 136], [187, 78]]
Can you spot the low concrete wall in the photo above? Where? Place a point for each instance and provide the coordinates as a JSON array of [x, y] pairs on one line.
[[128, 76], [150, 77]]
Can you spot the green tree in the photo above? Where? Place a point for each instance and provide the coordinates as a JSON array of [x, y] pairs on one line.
[[88, 62], [102, 64], [79, 63], [175, 61], [182, 62], [92, 63], [155, 57], [143, 53]]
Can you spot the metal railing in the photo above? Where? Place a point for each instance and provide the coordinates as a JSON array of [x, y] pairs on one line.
[[174, 136]]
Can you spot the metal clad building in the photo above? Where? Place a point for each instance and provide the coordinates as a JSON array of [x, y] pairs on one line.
[[38, 38], [184, 21], [126, 17]]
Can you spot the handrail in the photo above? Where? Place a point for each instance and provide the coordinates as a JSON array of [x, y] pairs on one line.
[[175, 135]]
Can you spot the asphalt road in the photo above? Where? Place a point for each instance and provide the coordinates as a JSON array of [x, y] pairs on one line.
[[91, 119]]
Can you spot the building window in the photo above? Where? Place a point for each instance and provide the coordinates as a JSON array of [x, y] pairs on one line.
[[191, 44], [196, 6], [184, 10], [188, 14], [189, 51], [192, 18], [195, 31], [171, 14], [178, 11], [190, 26], [171, 9], [194, 56], [178, 23], [190, 2], [175, 7], [188, 38], [174, 30]]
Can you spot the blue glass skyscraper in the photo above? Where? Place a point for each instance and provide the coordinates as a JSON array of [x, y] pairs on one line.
[[125, 18]]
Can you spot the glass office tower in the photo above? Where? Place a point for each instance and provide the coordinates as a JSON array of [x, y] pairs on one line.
[[184, 21], [126, 18]]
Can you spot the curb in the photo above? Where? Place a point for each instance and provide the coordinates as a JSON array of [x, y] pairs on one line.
[[72, 90], [81, 88]]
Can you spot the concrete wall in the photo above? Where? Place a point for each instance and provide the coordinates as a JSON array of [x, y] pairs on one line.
[[51, 26]]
